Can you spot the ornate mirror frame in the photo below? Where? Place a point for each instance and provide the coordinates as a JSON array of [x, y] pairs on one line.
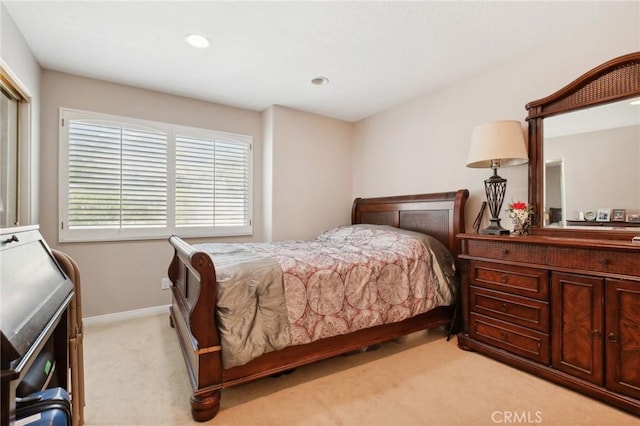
[[612, 81]]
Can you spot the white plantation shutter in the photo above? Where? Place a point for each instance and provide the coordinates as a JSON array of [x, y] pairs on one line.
[[212, 182], [94, 178], [117, 177], [144, 179], [127, 179]]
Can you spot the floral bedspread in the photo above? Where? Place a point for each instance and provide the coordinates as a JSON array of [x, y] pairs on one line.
[[348, 278]]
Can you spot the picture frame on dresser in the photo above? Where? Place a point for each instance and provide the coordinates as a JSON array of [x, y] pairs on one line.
[[633, 218], [618, 215], [604, 215]]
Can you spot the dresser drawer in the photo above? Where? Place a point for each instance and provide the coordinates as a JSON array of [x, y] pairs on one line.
[[515, 252], [520, 280], [596, 260], [514, 309], [510, 337]]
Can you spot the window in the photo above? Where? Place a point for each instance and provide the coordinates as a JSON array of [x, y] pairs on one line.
[[122, 178]]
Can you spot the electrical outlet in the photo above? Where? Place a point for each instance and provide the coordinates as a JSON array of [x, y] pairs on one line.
[[166, 283]]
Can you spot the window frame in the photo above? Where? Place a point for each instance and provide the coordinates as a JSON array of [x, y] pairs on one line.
[[172, 131], [16, 170]]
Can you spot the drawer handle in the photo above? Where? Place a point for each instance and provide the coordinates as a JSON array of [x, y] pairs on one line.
[[603, 261], [504, 307], [505, 252], [612, 338], [504, 278], [503, 335], [596, 334], [13, 239]]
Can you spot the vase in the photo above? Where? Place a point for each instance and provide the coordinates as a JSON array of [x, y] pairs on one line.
[[520, 227]]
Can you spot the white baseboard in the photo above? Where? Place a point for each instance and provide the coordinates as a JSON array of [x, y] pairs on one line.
[[127, 315]]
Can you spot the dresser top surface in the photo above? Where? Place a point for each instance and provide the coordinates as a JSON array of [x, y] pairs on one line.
[[556, 241]]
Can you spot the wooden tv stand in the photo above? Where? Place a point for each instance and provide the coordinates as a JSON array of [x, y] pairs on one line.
[[564, 309], [36, 295]]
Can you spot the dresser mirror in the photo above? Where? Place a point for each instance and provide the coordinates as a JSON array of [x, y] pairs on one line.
[[584, 154]]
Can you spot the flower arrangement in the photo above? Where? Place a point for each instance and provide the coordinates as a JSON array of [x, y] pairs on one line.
[[520, 213]]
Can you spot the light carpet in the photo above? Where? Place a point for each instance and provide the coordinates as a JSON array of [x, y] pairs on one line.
[[135, 375]]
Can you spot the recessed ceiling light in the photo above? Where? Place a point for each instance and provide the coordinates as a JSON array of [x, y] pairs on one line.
[[196, 40], [320, 81]]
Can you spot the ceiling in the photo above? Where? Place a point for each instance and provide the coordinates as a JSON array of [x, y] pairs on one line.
[[375, 54]]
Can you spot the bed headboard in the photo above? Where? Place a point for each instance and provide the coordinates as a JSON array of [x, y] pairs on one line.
[[440, 215]]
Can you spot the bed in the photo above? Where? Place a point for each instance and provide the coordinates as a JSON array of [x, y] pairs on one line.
[[202, 295]]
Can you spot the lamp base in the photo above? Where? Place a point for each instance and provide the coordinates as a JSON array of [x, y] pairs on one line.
[[495, 188], [495, 230]]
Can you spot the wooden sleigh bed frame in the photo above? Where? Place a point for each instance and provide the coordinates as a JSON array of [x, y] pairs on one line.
[[194, 290]]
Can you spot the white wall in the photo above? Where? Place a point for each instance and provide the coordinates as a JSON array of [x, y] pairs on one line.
[[267, 173], [311, 164], [421, 145], [17, 58]]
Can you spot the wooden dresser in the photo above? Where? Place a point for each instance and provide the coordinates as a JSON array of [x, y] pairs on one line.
[[567, 310]]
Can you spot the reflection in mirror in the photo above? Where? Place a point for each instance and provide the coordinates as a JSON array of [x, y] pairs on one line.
[[592, 162], [554, 192]]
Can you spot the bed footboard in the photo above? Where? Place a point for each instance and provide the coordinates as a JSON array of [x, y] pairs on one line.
[[193, 315]]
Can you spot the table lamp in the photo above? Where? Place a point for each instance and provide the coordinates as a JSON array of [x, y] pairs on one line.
[[496, 144]]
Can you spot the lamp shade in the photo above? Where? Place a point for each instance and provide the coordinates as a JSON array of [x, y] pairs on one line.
[[497, 140]]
